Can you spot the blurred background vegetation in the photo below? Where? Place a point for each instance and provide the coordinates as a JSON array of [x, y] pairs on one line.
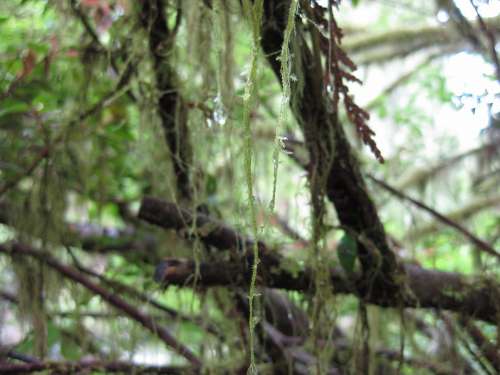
[[82, 141]]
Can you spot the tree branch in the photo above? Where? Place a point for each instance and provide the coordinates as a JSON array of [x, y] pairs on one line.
[[332, 162], [489, 351], [92, 366], [428, 288], [171, 106], [131, 311], [402, 42], [122, 288], [460, 214], [479, 243]]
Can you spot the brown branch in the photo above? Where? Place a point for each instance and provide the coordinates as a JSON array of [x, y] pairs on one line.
[[95, 38], [333, 169], [213, 233], [430, 289], [92, 366], [479, 243], [171, 106], [489, 351], [122, 288], [6, 352], [112, 299]]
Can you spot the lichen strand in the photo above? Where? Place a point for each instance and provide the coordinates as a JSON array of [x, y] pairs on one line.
[[254, 14], [285, 100]]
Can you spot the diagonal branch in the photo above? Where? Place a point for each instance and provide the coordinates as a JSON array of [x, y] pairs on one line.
[[134, 313], [332, 162], [213, 233], [122, 288], [460, 214], [482, 245], [489, 351], [491, 42]]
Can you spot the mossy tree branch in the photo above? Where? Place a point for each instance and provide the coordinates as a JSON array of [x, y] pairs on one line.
[[477, 298], [332, 162], [171, 106]]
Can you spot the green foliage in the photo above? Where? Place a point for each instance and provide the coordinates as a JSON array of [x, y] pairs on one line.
[[79, 149], [347, 252]]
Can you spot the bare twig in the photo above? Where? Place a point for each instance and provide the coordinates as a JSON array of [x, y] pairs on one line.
[[479, 243], [490, 36], [285, 227]]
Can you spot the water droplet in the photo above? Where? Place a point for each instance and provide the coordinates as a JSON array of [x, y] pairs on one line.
[[219, 114]]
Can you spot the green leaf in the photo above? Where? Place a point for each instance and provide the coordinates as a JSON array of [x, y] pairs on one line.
[[12, 107], [347, 251]]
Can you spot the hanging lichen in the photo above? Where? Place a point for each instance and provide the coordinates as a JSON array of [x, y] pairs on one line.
[[285, 71], [223, 43], [254, 12]]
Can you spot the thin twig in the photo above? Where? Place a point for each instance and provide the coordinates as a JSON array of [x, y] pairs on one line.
[[482, 245], [491, 40], [127, 289], [95, 38], [131, 311]]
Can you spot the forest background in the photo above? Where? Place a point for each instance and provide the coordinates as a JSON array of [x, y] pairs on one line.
[[279, 187]]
